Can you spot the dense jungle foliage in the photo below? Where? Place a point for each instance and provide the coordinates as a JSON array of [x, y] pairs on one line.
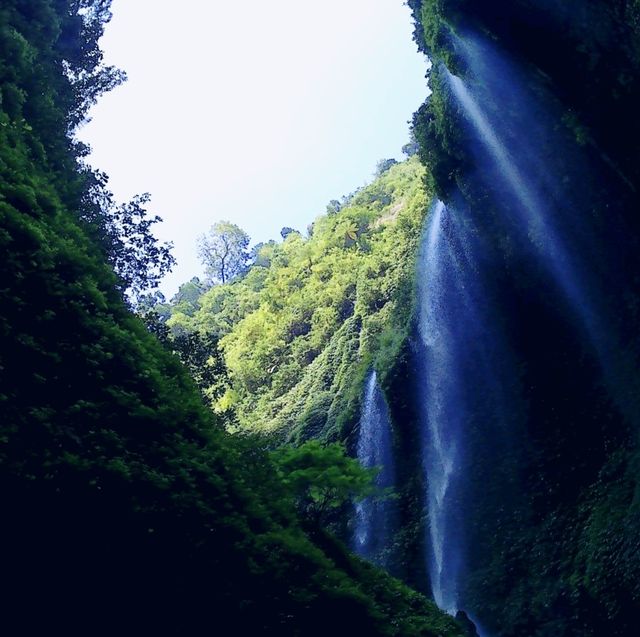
[[294, 336], [299, 330], [126, 508]]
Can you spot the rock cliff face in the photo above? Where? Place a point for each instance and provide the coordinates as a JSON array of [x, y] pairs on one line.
[[532, 141]]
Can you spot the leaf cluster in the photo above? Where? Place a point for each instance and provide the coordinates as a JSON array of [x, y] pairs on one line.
[[322, 478]]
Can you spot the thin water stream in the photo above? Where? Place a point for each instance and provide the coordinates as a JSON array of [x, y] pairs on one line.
[[374, 517]]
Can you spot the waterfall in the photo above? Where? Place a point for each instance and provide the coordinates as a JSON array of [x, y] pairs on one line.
[[374, 517], [556, 256], [469, 386], [442, 462], [550, 216]]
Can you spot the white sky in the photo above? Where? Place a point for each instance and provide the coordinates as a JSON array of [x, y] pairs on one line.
[[252, 111]]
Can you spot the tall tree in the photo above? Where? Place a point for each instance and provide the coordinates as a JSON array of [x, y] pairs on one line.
[[223, 251], [383, 165]]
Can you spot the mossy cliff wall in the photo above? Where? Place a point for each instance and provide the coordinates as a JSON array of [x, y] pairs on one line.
[[553, 516]]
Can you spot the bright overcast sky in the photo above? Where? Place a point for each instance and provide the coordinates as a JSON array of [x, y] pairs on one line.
[[254, 112]]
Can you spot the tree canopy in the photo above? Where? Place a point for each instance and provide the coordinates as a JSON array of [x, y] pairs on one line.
[[224, 252], [124, 233]]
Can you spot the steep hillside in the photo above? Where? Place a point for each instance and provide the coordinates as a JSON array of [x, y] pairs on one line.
[[126, 509], [300, 330]]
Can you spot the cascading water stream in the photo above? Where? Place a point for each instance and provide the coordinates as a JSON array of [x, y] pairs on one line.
[[467, 379], [441, 460], [557, 257], [533, 194], [374, 518]]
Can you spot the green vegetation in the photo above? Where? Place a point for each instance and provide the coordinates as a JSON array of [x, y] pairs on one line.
[[322, 479], [301, 328], [126, 507]]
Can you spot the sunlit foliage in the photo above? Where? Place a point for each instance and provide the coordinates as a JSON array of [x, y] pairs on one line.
[[298, 330]]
